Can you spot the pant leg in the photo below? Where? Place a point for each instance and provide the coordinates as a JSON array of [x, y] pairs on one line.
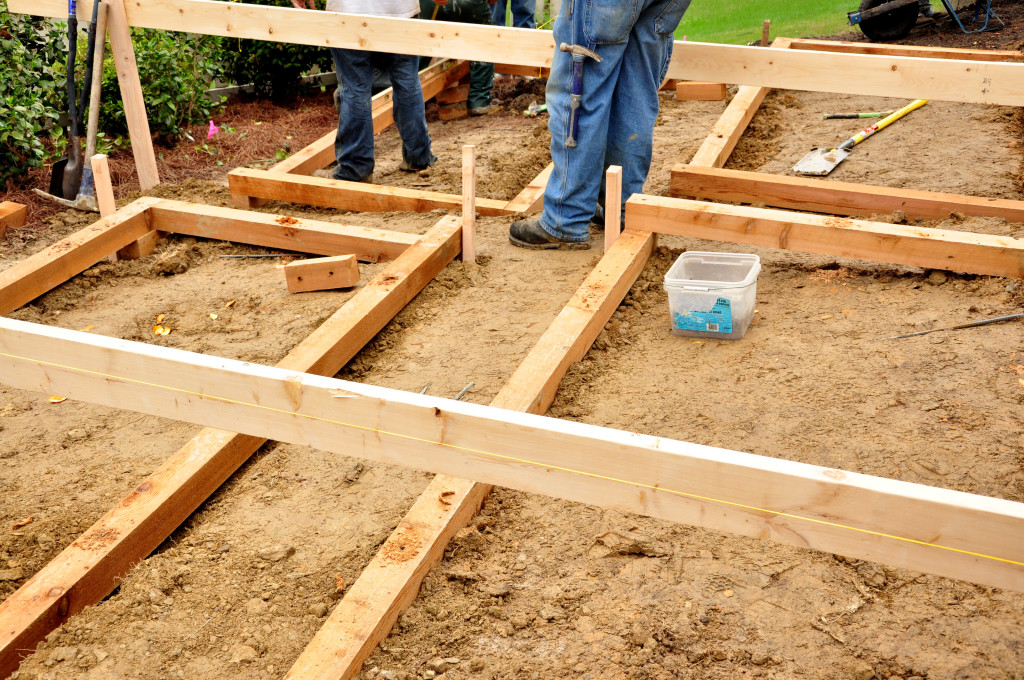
[[571, 195], [499, 13], [353, 145], [481, 73], [410, 118], [524, 13], [635, 102]]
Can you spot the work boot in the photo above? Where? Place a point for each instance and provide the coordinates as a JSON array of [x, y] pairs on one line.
[[598, 219], [480, 110], [406, 166], [926, 8], [529, 234], [364, 180]]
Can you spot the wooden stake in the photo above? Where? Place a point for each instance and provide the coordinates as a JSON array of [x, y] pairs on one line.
[[104, 187], [612, 206], [131, 95], [765, 31], [469, 203]]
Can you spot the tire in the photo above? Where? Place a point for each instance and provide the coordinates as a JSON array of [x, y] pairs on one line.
[[892, 25]]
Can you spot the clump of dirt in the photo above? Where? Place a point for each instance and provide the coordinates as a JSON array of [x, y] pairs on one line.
[[760, 142], [511, 89]]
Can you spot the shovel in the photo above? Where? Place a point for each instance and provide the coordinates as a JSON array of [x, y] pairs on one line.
[[821, 162], [63, 181]]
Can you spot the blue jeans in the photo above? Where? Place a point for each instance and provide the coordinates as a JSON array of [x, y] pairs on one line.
[[353, 147], [619, 106], [524, 13]]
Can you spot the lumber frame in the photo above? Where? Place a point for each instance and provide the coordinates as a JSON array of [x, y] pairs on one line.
[[831, 197], [52, 266], [912, 526], [905, 50], [838, 236], [247, 183], [276, 231], [11, 215], [91, 567], [866, 74]]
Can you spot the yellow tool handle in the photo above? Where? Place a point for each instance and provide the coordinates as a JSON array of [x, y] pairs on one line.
[[882, 124], [436, 7]]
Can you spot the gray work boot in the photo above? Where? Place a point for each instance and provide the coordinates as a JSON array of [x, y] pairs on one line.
[[529, 234]]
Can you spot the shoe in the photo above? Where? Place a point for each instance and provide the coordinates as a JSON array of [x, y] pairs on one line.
[[480, 110], [365, 180], [598, 218], [529, 234], [406, 166]]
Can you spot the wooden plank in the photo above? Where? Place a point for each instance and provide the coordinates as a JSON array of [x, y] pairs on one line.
[[531, 199], [91, 567], [320, 153], [334, 193], [277, 231], [453, 95], [905, 50], [50, 267], [322, 273], [689, 90], [834, 198], [612, 206], [837, 236], [864, 74], [911, 526], [469, 203], [525, 71], [11, 215], [105, 202], [727, 131], [387, 586], [131, 95]]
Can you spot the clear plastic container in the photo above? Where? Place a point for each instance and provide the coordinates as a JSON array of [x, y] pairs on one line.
[[712, 295]]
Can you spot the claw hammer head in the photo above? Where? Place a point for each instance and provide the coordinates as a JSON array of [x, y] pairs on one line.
[[579, 50]]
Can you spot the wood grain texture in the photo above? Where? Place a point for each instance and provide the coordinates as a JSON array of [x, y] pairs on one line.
[[700, 92], [11, 215], [322, 273], [838, 236], [905, 50]]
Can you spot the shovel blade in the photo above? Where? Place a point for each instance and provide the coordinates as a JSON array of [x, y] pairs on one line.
[[820, 162]]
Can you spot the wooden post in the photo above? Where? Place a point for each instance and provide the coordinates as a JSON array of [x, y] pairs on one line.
[[131, 95], [469, 203], [612, 206], [765, 33], [104, 187], [11, 215]]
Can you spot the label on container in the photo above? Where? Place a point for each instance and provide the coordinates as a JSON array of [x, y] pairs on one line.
[[718, 320]]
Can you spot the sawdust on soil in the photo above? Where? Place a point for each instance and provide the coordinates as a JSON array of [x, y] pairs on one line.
[[535, 587]]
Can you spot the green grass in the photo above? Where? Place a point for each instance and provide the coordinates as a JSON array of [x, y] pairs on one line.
[[739, 21]]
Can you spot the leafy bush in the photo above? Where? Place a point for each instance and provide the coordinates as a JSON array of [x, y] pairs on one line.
[[30, 88], [273, 68]]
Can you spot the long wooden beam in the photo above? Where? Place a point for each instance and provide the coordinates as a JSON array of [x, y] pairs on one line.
[[277, 231], [912, 526], [839, 236], [87, 570], [246, 183], [387, 586], [906, 50], [52, 266], [834, 198], [884, 76]]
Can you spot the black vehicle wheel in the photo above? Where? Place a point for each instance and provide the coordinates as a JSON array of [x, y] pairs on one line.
[[892, 25]]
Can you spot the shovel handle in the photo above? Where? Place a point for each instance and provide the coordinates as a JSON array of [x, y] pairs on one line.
[[882, 124]]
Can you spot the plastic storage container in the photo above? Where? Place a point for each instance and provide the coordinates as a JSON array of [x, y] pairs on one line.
[[712, 295]]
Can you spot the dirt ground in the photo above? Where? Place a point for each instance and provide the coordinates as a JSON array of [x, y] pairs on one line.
[[535, 587]]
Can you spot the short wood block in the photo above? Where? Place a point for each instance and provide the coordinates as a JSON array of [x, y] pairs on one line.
[[453, 111], [669, 84], [11, 215], [690, 90], [322, 273], [453, 95]]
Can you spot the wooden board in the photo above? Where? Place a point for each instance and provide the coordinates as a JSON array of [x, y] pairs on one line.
[[278, 231], [906, 50], [334, 193], [690, 90], [91, 567], [526, 71], [865, 74], [531, 199], [835, 198], [838, 236], [322, 273], [938, 531], [11, 215], [453, 95], [52, 266]]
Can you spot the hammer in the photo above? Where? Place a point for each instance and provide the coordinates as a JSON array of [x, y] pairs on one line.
[[579, 53]]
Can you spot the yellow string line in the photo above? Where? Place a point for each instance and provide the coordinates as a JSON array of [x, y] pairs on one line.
[[754, 508]]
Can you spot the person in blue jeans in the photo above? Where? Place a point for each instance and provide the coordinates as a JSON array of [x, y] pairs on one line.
[[353, 146], [481, 74], [524, 13], [616, 115]]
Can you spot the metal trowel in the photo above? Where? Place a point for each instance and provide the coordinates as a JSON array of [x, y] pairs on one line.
[[821, 162]]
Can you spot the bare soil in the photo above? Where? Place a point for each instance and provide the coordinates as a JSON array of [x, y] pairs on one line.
[[535, 587]]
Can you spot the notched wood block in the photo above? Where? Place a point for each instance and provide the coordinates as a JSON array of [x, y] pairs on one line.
[[322, 273]]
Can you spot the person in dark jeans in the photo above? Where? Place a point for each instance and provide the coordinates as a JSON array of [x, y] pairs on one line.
[[523, 13], [353, 146], [481, 74]]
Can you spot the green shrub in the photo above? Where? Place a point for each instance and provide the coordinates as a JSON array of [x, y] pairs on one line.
[[274, 69]]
